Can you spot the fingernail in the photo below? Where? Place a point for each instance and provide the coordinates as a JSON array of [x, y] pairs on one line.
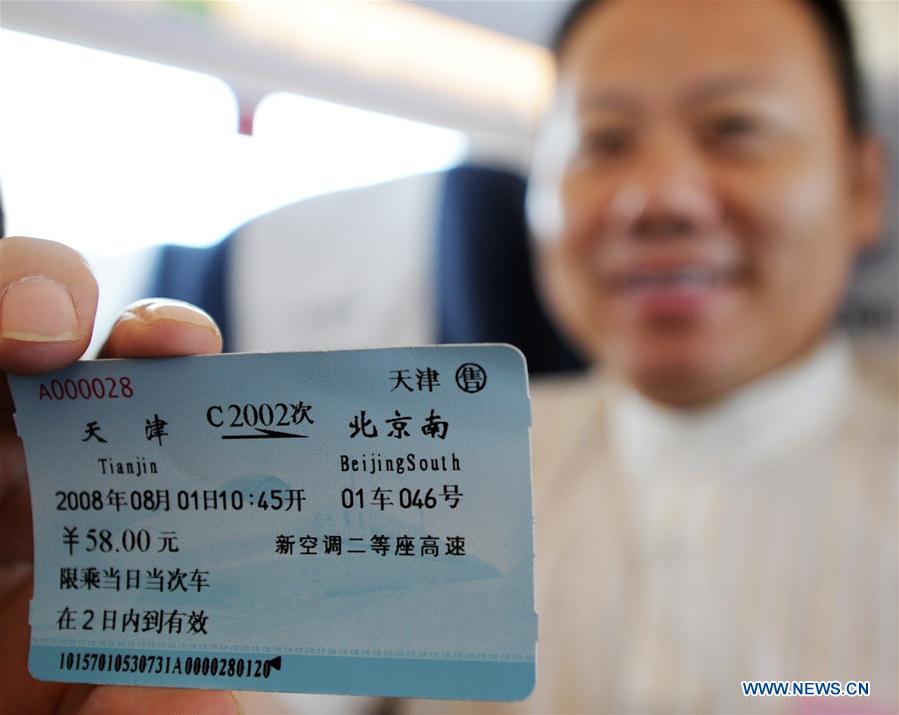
[[181, 313], [39, 310]]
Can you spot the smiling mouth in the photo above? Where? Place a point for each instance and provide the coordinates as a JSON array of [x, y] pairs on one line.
[[688, 278], [674, 295]]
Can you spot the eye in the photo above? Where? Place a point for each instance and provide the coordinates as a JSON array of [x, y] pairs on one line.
[[735, 126], [736, 133], [608, 142]]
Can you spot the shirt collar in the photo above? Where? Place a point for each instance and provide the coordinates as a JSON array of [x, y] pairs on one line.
[[784, 409]]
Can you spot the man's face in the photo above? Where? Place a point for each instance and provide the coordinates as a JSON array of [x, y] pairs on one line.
[[710, 205]]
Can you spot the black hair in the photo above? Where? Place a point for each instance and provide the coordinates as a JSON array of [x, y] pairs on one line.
[[833, 20]]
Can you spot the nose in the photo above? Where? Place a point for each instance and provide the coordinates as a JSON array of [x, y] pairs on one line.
[[667, 192]]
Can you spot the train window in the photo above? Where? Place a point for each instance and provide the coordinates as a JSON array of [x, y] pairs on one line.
[[114, 144], [132, 153], [309, 146]]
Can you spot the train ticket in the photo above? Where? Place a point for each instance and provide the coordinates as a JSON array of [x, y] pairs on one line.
[[355, 522]]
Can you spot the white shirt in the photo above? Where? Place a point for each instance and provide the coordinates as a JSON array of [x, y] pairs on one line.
[[680, 553]]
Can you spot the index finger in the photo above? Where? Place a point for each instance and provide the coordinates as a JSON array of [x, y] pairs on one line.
[[48, 298]]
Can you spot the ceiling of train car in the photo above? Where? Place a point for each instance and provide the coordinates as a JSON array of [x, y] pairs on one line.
[[531, 20], [535, 21]]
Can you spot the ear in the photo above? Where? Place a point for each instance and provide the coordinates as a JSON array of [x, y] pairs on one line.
[[555, 145], [869, 191]]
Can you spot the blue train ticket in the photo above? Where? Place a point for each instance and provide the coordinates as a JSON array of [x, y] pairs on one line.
[[354, 522]]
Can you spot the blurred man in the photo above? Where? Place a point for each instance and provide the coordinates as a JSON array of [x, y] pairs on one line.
[[718, 503]]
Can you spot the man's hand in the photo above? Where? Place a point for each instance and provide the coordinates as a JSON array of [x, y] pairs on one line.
[[48, 298]]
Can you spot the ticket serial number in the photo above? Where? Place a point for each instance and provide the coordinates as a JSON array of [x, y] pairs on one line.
[[96, 388], [171, 664]]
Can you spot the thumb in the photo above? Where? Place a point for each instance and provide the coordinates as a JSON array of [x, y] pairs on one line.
[[48, 298], [158, 701]]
